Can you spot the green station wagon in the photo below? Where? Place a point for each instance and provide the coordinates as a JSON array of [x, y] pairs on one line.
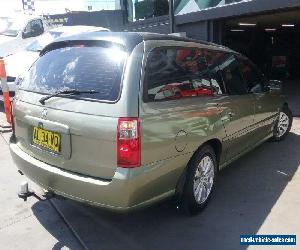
[[123, 120]]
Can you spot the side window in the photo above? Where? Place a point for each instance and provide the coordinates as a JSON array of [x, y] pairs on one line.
[[217, 83], [231, 76], [214, 59], [253, 79], [34, 28], [176, 73]]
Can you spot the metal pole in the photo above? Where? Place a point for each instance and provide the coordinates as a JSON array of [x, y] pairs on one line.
[[171, 15]]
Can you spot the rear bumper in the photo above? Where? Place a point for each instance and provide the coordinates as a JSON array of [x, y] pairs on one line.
[[121, 194]]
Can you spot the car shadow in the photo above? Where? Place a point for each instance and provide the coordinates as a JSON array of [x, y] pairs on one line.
[[291, 88], [245, 195]]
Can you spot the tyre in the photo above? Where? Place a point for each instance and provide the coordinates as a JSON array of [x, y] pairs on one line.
[[283, 124], [200, 181]]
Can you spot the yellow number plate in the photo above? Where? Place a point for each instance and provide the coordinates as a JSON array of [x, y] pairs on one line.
[[47, 139]]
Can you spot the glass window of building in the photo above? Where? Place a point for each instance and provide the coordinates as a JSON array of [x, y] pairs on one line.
[[144, 9], [182, 7]]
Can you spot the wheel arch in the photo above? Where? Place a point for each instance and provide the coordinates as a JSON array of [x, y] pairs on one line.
[[285, 104], [216, 145]]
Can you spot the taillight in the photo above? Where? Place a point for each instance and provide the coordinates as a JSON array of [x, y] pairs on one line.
[[128, 143]]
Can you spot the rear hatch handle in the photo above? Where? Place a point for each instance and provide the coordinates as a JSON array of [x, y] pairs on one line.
[[67, 92]]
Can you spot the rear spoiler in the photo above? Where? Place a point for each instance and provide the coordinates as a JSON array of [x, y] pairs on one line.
[[80, 43]]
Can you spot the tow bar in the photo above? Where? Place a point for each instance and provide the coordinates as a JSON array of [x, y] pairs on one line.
[[25, 192]]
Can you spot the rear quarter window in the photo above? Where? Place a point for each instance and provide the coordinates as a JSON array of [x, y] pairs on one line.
[[81, 68], [176, 73]]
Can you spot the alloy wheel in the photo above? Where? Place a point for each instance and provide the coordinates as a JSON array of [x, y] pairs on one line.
[[283, 124], [204, 179]]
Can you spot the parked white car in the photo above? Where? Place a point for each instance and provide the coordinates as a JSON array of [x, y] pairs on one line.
[[17, 64], [19, 30]]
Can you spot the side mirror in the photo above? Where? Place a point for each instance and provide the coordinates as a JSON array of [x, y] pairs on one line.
[[36, 31], [274, 86], [27, 34]]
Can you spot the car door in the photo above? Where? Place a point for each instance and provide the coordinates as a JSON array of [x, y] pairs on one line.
[[177, 110], [236, 107], [266, 110]]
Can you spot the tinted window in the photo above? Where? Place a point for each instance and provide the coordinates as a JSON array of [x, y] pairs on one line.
[[175, 73], [231, 75], [214, 59], [82, 68], [217, 83], [35, 27], [252, 77]]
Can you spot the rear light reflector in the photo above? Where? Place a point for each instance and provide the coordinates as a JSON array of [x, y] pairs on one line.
[[128, 143]]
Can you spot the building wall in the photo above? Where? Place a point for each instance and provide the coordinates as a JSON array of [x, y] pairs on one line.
[[112, 20], [205, 25], [237, 9], [206, 21], [196, 30], [210, 30]]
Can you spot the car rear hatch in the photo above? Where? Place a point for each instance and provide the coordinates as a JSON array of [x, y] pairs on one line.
[[75, 132]]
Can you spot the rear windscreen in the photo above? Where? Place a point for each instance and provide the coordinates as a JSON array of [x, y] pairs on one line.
[[81, 68]]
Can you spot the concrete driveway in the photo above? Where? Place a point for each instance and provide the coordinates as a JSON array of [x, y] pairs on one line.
[[258, 194]]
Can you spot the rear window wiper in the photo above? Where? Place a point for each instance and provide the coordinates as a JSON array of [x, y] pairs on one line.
[[67, 92]]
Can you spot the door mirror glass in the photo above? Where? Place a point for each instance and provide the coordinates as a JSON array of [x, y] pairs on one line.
[[33, 29], [27, 34]]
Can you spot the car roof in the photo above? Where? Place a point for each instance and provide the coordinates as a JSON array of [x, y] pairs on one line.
[[128, 39], [21, 16], [77, 29]]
